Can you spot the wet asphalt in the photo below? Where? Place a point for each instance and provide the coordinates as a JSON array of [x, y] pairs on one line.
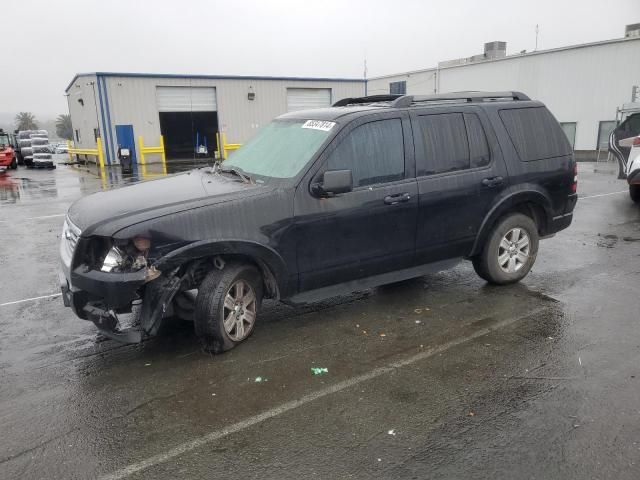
[[439, 377]]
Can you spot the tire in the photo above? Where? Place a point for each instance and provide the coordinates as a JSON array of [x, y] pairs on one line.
[[634, 193], [488, 264], [14, 164], [210, 308]]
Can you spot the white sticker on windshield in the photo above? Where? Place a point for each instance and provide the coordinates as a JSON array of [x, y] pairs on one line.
[[319, 125]]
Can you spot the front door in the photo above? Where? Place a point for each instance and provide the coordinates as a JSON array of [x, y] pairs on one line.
[[367, 231], [460, 171], [125, 139]]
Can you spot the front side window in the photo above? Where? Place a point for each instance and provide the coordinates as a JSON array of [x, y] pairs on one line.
[[281, 149], [374, 152], [4, 139], [443, 140]]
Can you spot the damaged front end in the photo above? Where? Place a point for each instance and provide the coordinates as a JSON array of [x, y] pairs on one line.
[[109, 281]]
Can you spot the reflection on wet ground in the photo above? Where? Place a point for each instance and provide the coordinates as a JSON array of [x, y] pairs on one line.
[[72, 181], [437, 377]]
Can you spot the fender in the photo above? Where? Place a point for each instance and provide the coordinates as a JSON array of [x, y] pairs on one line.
[[523, 193], [264, 256]]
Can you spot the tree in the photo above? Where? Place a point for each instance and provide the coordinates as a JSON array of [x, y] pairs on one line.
[[26, 121], [63, 127]]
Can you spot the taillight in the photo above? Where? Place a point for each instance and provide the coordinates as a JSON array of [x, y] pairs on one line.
[[574, 185], [636, 142]]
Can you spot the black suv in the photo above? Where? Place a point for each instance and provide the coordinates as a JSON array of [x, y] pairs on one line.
[[322, 202]]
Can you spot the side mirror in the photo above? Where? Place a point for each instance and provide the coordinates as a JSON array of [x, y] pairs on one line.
[[334, 182]]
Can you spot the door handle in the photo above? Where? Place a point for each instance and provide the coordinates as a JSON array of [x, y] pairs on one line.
[[397, 198], [492, 181]]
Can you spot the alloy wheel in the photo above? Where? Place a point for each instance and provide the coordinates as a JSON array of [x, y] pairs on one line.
[[513, 251]]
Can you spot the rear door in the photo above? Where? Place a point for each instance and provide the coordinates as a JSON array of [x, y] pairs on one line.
[[460, 171], [367, 231]]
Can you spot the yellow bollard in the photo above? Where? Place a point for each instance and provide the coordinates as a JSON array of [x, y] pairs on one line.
[[69, 151], [162, 156], [100, 153], [141, 141], [224, 144]]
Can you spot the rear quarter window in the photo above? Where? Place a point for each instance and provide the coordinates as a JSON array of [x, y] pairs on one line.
[[535, 133]]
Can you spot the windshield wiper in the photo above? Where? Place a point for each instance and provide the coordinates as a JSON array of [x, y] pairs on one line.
[[245, 178]]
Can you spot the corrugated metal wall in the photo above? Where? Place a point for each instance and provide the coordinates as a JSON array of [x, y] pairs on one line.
[[132, 100], [583, 85], [83, 117]]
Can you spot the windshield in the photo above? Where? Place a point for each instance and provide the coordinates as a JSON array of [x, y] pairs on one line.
[[280, 149], [4, 139]]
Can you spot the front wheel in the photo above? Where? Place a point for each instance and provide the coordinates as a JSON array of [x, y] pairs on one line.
[[227, 305], [634, 193], [509, 252]]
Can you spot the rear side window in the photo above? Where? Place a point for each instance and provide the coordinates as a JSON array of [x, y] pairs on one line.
[[444, 143], [478, 146], [535, 134], [374, 152]]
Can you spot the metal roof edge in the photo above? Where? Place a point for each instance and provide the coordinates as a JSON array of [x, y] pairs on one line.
[[76, 76], [211, 77], [510, 57]]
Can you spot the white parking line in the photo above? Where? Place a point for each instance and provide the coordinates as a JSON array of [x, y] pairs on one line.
[[38, 218], [285, 407], [603, 194], [30, 299]]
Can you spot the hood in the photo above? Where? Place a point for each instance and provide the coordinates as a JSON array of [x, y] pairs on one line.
[[105, 212]]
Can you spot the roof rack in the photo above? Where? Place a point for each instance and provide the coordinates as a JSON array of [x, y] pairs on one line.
[[409, 100], [370, 99]]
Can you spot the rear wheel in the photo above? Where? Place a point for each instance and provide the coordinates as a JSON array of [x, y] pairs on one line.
[[14, 163], [634, 193], [509, 252], [227, 305]]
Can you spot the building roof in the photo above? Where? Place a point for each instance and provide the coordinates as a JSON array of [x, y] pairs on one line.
[[511, 57], [212, 77]]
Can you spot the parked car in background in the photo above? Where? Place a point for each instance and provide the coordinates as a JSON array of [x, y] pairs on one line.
[[323, 202], [632, 171], [624, 145], [61, 148]]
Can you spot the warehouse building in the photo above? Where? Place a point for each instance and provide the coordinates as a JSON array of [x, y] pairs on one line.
[[188, 110], [582, 85]]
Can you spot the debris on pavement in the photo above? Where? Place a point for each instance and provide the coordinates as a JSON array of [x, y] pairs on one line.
[[261, 379], [471, 414], [319, 370], [383, 334], [392, 432]]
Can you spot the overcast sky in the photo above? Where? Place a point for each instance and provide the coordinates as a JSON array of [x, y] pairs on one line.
[[56, 39]]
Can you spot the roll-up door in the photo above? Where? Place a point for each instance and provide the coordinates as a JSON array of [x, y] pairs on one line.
[[186, 99], [307, 98]]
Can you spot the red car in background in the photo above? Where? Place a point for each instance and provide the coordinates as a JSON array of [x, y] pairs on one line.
[[7, 154]]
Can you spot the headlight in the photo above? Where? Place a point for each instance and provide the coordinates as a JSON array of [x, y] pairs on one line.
[[114, 259], [127, 256]]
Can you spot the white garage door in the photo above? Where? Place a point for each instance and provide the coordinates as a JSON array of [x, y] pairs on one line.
[[186, 99], [306, 98]]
